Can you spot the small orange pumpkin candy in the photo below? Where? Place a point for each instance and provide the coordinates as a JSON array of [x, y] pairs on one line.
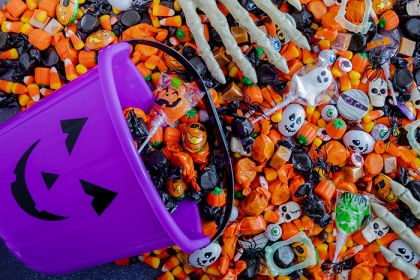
[[216, 197], [157, 138], [183, 34], [254, 93], [336, 128], [389, 20], [306, 134], [190, 117], [359, 62]]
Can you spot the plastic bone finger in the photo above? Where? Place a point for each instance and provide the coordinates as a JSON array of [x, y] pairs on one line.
[[245, 21], [398, 226], [219, 22], [407, 197], [295, 3], [280, 19], [397, 262], [194, 23]]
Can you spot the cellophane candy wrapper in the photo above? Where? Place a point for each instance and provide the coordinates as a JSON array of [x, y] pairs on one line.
[[352, 210], [314, 84], [174, 97]]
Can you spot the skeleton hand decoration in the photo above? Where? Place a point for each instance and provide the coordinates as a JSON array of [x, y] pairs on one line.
[[398, 226], [406, 197], [409, 270], [219, 22]]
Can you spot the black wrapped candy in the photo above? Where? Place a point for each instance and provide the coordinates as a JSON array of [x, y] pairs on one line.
[[208, 178]]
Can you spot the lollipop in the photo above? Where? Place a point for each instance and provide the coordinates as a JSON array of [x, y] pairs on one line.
[[351, 210], [308, 84], [173, 99]]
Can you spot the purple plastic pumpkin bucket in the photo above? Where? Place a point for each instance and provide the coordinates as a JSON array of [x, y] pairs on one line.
[[73, 191]]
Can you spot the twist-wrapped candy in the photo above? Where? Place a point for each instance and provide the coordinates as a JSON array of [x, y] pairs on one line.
[[189, 174]]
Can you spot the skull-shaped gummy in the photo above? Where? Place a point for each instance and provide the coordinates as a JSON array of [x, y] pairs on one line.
[[289, 211], [378, 91], [293, 118], [374, 230]]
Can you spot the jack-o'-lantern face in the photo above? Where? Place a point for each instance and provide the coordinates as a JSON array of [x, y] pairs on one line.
[[194, 137], [300, 250], [176, 188], [67, 11], [382, 183], [173, 102]]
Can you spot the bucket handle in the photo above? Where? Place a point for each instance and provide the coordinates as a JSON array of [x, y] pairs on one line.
[[211, 110]]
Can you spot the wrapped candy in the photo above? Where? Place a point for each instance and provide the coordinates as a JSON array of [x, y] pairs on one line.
[[189, 174], [246, 171], [256, 202]]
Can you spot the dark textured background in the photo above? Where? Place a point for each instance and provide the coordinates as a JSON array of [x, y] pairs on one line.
[[13, 269]]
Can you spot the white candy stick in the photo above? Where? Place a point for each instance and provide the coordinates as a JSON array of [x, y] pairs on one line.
[[194, 23], [245, 21], [397, 262], [280, 19], [398, 227], [407, 197]]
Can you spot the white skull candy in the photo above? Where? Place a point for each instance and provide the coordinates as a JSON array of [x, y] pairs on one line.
[[378, 91], [206, 256], [413, 8], [311, 84], [375, 229], [289, 211], [359, 141], [415, 96], [403, 250], [293, 118]]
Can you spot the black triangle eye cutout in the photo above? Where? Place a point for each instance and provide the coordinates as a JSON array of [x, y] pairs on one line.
[[49, 179], [72, 127], [102, 198]]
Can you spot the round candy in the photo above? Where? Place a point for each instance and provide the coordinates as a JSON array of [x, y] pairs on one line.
[[293, 119], [194, 137], [359, 141], [205, 256], [344, 64], [380, 132], [273, 232], [353, 104], [329, 113], [176, 188], [357, 159], [323, 135], [327, 57], [203, 116]]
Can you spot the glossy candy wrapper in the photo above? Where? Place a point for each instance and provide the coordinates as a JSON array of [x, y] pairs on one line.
[[281, 166]]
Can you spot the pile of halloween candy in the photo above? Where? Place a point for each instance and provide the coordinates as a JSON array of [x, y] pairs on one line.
[[319, 103]]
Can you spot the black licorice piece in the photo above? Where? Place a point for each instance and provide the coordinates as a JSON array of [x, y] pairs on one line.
[[198, 64], [266, 73], [5, 42], [49, 57], [357, 42], [412, 28], [208, 179], [168, 4], [403, 78], [21, 43], [27, 63], [302, 18], [141, 5], [242, 127], [284, 256], [417, 76], [399, 62], [130, 18], [88, 24]]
